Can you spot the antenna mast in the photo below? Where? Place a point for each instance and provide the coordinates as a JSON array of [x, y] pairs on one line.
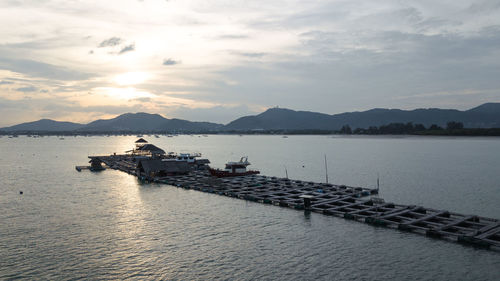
[[378, 181], [326, 170]]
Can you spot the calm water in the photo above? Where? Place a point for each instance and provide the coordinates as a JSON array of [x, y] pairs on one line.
[[107, 225]]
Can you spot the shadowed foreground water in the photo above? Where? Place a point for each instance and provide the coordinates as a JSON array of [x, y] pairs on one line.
[[107, 225]]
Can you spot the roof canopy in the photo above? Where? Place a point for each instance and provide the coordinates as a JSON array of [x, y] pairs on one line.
[[141, 140], [151, 148]]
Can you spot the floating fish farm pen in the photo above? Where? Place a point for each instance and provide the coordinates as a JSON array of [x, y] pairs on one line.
[[353, 203]]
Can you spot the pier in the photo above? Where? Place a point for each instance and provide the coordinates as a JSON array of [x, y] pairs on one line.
[[353, 203]]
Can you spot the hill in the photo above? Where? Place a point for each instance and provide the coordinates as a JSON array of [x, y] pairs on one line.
[[133, 122], [483, 116], [44, 125], [147, 122]]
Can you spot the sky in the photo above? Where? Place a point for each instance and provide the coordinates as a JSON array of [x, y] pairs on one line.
[[214, 60]]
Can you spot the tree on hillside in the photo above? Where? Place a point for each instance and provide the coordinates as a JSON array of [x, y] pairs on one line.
[[434, 127], [346, 129], [452, 125], [397, 128], [419, 127]]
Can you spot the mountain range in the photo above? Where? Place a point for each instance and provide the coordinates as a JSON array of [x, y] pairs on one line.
[[136, 122], [484, 116]]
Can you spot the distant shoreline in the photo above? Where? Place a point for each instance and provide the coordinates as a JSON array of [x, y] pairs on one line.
[[465, 132]]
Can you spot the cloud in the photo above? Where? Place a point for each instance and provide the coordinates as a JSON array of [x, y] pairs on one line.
[[170, 61], [370, 71], [127, 48], [40, 69], [27, 89], [450, 93], [251, 54], [111, 42], [3, 82], [328, 56], [232, 36], [68, 107], [143, 99], [485, 6], [218, 114]]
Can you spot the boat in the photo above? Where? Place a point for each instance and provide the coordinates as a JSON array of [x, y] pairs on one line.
[[188, 157], [234, 169]]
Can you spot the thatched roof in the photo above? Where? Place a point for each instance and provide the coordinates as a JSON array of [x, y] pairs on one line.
[[158, 166], [151, 148], [95, 160], [141, 140]]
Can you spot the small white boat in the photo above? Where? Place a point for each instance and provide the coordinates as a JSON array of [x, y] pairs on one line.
[[234, 169]]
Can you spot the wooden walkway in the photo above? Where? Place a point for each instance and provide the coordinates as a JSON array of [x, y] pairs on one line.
[[335, 200]]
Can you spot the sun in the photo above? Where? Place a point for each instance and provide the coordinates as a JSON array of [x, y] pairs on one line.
[[131, 78]]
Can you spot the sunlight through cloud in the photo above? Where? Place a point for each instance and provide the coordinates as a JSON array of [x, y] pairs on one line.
[[124, 93], [131, 78]]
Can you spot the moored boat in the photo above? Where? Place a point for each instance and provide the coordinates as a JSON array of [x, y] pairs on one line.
[[234, 169]]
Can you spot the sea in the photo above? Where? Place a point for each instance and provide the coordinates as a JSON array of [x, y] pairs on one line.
[[70, 225]]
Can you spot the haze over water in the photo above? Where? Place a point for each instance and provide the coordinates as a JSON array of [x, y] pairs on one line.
[[108, 225]]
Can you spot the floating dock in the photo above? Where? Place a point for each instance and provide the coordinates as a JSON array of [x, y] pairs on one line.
[[353, 203]]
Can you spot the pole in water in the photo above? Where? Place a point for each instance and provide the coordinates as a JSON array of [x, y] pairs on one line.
[[307, 201], [326, 170], [378, 182], [286, 172]]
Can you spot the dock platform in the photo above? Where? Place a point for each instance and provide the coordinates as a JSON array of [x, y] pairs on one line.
[[353, 203]]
